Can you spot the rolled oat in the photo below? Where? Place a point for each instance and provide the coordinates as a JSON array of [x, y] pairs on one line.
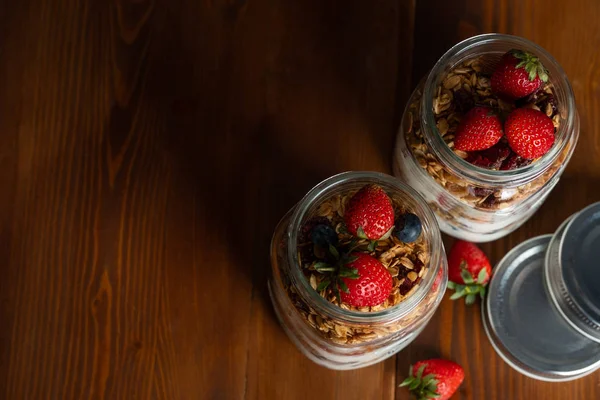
[[406, 262]]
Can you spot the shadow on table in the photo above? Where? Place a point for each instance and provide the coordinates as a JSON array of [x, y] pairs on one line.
[[237, 108], [243, 182], [234, 134]]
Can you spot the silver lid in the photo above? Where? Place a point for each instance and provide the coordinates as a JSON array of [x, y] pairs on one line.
[[557, 290], [523, 326], [579, 263]]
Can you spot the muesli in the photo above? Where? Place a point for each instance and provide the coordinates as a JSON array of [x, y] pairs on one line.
[[466, 89], [362, 251]]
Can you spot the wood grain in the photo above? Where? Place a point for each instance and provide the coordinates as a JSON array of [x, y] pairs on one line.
[[560, 27], [149, 147]]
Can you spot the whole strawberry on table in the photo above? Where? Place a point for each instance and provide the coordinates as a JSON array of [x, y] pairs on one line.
[[469, 271], [434, 379]]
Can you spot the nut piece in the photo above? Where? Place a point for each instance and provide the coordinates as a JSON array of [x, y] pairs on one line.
[[412, 276]]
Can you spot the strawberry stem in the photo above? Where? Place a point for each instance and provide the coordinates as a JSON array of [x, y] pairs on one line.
[[336, 271], [422, 387], [470, 288], [532, 65], [372, 245]]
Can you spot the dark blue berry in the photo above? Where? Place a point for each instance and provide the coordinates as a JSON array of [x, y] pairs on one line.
[[408, 228], [323, 235]]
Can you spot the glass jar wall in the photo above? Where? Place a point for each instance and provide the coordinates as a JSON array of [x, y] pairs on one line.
[[336, 335], [473, 202]]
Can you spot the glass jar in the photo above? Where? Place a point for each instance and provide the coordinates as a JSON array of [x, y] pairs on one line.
[[471, 202], [336, 336]]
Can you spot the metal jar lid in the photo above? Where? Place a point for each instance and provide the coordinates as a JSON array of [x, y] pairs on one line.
[[573, 271], [524, 327]]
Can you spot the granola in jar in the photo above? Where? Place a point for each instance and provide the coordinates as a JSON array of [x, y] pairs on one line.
[[355, 281], [485, 159]]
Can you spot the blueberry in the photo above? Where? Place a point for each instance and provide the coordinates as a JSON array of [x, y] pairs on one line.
[[323, 235], [408, 228]]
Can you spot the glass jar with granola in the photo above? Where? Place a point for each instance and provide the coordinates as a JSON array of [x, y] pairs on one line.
[[486, 136], [358, 269]]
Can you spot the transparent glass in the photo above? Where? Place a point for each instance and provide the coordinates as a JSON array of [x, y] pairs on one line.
[[575, 306], [471, 202], [316, 326]]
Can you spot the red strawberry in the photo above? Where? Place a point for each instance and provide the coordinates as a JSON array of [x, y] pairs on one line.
[[373, 285], [480, 129], [437, 281], [518, 74], [434, 379], [530, 132], [369, 213], [465, 262]]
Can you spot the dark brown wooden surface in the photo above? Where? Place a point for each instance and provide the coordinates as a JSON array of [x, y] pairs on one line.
[[149, 147]]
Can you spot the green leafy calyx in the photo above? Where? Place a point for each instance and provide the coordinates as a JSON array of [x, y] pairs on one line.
[[531, 64], [360, 233], [422, 387], [471, 287], [334, 272]]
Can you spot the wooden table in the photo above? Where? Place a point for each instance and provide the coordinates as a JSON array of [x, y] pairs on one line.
[[148, 148]]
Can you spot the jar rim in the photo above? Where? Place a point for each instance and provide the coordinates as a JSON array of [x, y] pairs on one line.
[[572, 301], [323, 305], [475, 173]]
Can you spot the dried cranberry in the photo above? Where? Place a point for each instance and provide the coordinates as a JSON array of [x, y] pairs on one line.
[[479, 160], [418, 265], [463, 100], [530, 99], [513, 162], [550, 99], [406, 286], [491, 158], [479, 191], [489, 202]]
